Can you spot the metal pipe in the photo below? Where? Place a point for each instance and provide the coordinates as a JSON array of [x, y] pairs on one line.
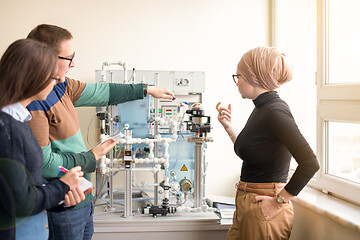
[[133, 76], [128, 180], [198, 173], [111, 195], [125, 72], [135, 169], [111, 156], [156, 132]]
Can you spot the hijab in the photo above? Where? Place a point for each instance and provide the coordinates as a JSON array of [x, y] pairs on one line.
[[266, 67]]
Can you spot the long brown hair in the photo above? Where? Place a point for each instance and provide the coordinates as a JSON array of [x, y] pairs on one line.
[[51, 35], [26, 68]]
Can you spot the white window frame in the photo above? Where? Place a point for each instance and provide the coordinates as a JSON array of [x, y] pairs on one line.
[[335, 102]]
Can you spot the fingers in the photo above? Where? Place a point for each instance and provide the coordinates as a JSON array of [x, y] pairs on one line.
[[108, 145], [160, 92], [67, 200], [222, 110], [89, 190], [108, 142], [76, 169], [217, 106], [224, 116], [71, 198], [80, 195], [77, 172], [72, 178], [168, 94], [261, 198], [76, 195], [101, 149], [257, 199]]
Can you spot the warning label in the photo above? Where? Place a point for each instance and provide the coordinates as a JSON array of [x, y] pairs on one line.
[[184, 168]]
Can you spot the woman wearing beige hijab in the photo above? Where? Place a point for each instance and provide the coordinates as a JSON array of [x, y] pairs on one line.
[[266, 144]]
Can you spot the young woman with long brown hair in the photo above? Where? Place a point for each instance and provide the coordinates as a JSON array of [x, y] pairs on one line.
[[27, 71]]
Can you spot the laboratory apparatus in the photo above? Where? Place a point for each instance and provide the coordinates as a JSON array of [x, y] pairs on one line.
[[163, 139]]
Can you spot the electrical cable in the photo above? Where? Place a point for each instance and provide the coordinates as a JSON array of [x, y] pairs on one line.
[[182, 118], [181, 121], [88, 130]]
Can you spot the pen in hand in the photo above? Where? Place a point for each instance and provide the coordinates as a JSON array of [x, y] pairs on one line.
[[174, 98], [64, 170], [84, 184]]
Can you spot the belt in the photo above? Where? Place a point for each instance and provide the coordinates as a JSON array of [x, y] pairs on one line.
[[268, 189]]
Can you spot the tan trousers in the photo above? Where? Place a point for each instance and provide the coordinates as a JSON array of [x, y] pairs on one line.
[[249, 222]]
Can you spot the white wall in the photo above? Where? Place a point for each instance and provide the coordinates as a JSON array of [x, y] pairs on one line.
[[309, 224], [199, 35], [297, 39]]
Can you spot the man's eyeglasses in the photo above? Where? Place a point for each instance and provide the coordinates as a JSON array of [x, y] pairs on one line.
[[69, 59], [236, 77]]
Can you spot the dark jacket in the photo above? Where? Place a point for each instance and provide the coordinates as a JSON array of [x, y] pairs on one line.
[[23, 191]]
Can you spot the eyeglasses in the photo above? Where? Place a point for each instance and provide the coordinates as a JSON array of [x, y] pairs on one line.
[[56, 79], [70, 59], [236, 77]]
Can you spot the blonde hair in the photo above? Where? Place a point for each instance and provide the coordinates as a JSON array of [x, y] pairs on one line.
[[266, 67]]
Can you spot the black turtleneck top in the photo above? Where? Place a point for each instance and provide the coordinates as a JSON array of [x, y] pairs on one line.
[[267, 142]]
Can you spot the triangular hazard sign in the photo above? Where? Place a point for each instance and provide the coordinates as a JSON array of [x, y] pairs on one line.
[[184, 168]]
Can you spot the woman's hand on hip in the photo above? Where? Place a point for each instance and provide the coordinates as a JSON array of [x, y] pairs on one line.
[[270, 207]]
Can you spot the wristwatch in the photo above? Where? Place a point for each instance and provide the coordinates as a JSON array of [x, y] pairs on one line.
[[280, 199], [145, 86]]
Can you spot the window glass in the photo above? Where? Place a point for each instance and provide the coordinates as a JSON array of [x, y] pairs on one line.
[[344, 39], [344, 150]]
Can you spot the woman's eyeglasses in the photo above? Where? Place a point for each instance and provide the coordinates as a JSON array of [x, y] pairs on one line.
[[236, 77], [69, 59], [56, 79]]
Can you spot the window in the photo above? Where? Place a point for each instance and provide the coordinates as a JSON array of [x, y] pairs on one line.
[[344, 151], [338, 98], [324, 95], [343, 38], [288, 23]]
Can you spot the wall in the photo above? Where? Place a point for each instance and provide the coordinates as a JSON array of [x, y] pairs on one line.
[[296, 28], [201, 35], [309, 224]]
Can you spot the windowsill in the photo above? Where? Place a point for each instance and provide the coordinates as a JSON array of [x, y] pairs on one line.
[[340, 211]]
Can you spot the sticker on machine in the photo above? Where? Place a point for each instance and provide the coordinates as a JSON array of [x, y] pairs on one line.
[[184, 168]]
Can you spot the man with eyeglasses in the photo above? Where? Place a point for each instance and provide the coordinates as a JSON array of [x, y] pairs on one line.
[[56, 126]]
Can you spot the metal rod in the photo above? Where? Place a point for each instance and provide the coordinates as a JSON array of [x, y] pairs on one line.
[[128, 180], [128, 194], [156, 132], [198, 173], [111, 194], [111, 156]]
